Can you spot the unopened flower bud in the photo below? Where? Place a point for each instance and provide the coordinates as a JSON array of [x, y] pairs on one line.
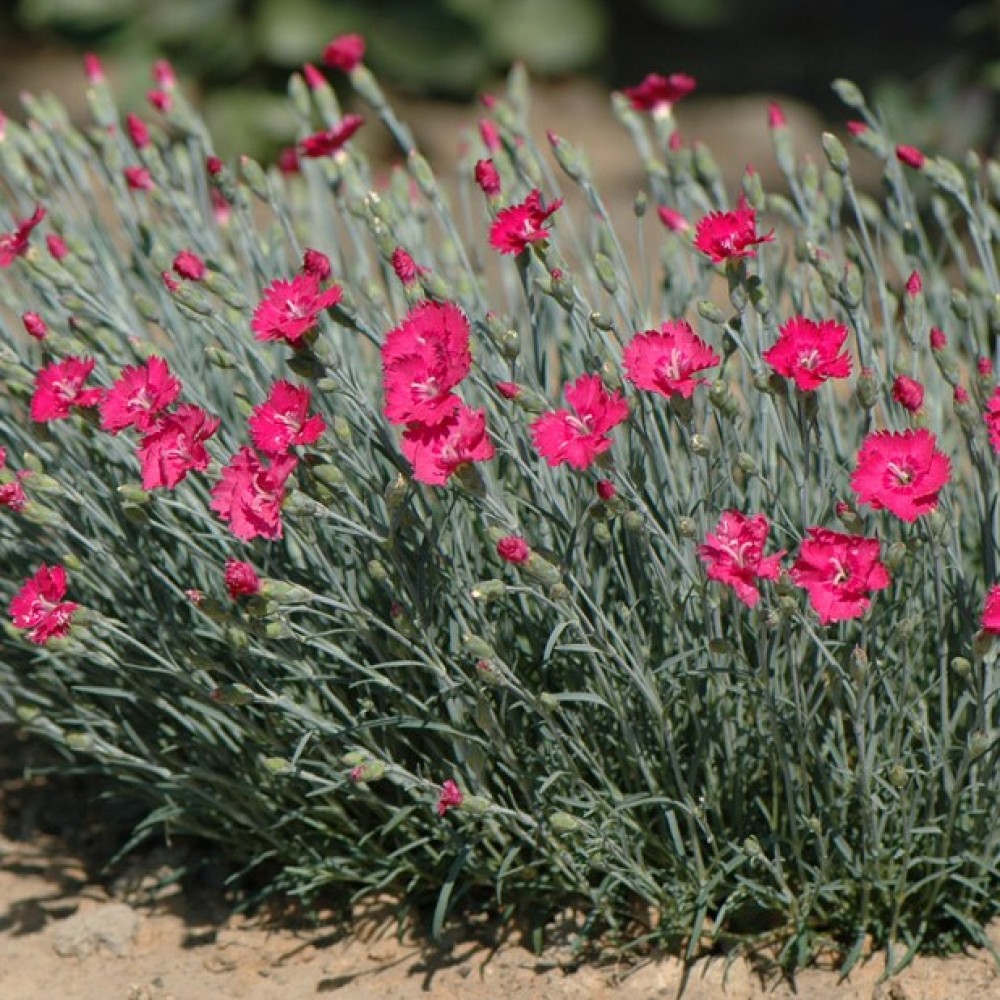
[[898, 776], [979, 744], [563, 822], [478, 648], [488, 590], [867, 389], [894, 556], [233, 694], [961, 666], [849, 93], [836, 155]]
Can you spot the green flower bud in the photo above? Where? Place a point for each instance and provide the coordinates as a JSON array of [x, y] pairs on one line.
[[488, 590], [961, 666], [979, 744], [233, 694], [541, 570], [601, 322], [850, 94], [277, 765], [549, 702], [836, 155], [329, 474], [606, 273], [563, 822], [510, 345], [285, 593], [477, 647], [219, 358]]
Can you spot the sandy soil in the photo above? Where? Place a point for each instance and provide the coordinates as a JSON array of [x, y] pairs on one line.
[[136, 935]]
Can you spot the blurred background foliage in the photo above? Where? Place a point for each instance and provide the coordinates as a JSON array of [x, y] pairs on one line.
[[933, 65]]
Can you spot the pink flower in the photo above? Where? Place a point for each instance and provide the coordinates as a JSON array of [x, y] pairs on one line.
[[137, 131], [857, 128], [914, 284], [214, 166], [901, 472], [776, 116], [175, 446], [93, 68], [659, 93], [961, 397], [12, 493], [990, 621], [734, 555], [332, 139], [289, 309], [138, 178], [513, 549], [490, 136], [34, 325], [487, 178], [665, 361], [345, 52], [313, 77], [249, 495], [164, 76], [436, 451], [908, 392], [673, 219], [727, 235], [938, 339], [509, 390], [189, 265], [282, 421], [39, 606], [56, 246], [807, 352], [169, 281], [451, 796], [839, 572], [288, 160], [138, 396], [160, 100], [606, 489], [578, 437], [423, 359], [16, 243], [911, 156], [316, 263], [992, 418], [518, 225], [59, 387], [241, 579], [405, 267], [984, 366]]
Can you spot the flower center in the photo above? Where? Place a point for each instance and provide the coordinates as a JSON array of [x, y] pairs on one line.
[[903, 475], [809, 359], [841, 574]]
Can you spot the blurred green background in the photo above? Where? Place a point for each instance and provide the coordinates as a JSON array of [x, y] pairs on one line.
[[933, 64]]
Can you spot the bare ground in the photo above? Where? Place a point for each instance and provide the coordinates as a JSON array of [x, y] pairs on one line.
[[70, 932]]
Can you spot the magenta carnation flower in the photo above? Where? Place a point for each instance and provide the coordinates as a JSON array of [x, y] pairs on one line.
[[449, 798], [331, 140], [175, 446], [241, 579], [59, 387], [579, 435], [14, 244], [990, 622], [288, 310], [345, 52], [282, 421], [807, 352], [992, 418], [908, 392], [249, 494], [516, 226], [513, 549], [659, 93], [727, 235], [901, 472], [140, 393], [734, 554], [839, 572], [437, 450], [667, 360], [423, 359], [39, 607]]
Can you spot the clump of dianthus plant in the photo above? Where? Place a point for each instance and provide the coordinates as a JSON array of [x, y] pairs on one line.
[[409, 533]]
